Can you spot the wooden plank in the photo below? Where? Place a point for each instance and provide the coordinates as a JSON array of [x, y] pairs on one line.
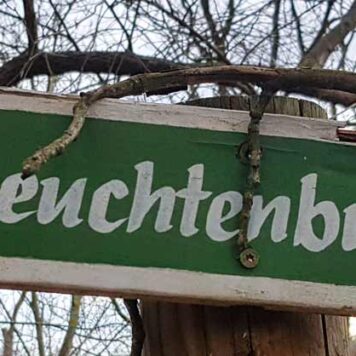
[[337, 339]]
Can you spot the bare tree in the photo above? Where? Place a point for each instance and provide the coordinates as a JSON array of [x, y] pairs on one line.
[[130, 37], [70, 46]]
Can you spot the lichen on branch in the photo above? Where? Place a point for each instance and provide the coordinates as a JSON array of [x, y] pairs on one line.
[[280, 78], [33, 163]]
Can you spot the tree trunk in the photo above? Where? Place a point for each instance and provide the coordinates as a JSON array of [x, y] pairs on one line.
[[196, 330]]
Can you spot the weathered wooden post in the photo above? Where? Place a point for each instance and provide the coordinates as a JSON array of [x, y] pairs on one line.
[[197, 330]]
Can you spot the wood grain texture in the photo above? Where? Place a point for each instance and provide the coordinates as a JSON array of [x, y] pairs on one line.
[[336, 331], [192, 330], [185, 330], [284, 333]]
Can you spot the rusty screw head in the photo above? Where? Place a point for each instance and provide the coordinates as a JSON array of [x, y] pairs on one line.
[[249, 258]]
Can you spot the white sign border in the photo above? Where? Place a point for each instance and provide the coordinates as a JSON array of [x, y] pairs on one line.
[[178, 115], [175, 285]]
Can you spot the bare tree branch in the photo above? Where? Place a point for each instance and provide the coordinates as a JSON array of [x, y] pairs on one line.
[[72, 326], [39, 323], [119, 311], [8, 334], [298, 27], [228, 23], [324, 25], [152, 83], [221, 56], [317, 56], [118, 63], [275, 33], [60, 19], [31, 26], [210, 21]]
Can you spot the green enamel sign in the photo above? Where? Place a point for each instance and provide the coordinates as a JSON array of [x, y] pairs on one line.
[[131, 195]]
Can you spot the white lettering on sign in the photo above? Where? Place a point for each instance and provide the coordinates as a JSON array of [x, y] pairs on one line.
[[100, 203], [349, 238], [144, 200], [304, 232], [193, 194], [281, 208], [215, 215], [70, 203], [15, 190], [160, 203]]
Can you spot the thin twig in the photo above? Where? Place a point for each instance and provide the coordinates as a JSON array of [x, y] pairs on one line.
[[32, 164], [254, 154], [119, 311]]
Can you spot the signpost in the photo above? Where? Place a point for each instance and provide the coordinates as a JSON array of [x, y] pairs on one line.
[[146, 203]]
